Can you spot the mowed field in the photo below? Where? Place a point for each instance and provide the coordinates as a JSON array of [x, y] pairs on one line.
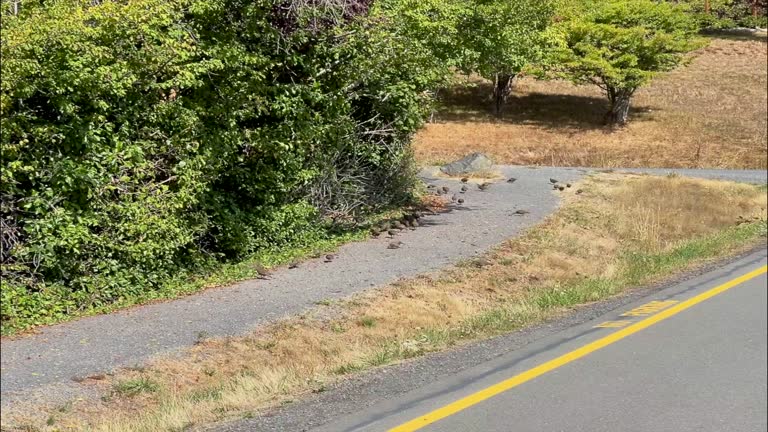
[[711, 113]]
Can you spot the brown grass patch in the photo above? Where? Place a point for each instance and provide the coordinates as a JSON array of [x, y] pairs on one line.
[[553, 266], [711, 113]]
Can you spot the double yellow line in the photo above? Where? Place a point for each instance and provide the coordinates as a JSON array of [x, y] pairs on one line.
[[578, 353]]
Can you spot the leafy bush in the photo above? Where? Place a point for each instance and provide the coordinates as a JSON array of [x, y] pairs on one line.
[[142, 139]]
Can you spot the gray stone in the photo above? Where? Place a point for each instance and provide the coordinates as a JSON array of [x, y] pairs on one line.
[[472, 163]]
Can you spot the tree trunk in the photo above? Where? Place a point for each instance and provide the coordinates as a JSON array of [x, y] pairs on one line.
[[501, 90], [619, 113]]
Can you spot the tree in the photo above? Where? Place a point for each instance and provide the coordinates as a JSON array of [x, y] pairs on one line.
[[493, 38], [501, 37], [620, 45]]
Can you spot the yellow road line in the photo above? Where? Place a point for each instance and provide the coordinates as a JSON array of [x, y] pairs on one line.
[[543, 368]]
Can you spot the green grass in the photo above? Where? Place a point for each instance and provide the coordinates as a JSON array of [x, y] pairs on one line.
[[136, 386], [368, 321]]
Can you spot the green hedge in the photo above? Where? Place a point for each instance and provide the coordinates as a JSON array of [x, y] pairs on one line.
[[146, 138]]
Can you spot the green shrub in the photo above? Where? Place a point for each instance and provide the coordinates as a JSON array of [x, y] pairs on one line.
[[142, 139]]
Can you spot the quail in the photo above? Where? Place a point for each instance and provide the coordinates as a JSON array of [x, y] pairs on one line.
[[262, 271], [414, 224], [553, 181], [454, 198], [481, 262], [399, 226], [561, 188], [464, 189], [461, 201], [511, 180], [579, 191], [431, 186], [446, 189], [293, 265], [464, 179], [521, 212], [568, 185], [391, 233], [329, 257], [394, 245], [483, 186], [375, 233]]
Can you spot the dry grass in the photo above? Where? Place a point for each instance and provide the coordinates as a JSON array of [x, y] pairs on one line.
[[577, 256], [712, 113]]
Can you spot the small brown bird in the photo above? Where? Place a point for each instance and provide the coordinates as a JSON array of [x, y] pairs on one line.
[[415, 224], [579, 191], [293, 265], [561, 188], [464, 189], [391, 233], [395, 245], [484, 186], [461, 201], [446, 189], [567, 185], [481, 262], [521, 212], [375, 233], [553, 181], [262, 271], [511, 180], [384, 226], [464, 179], [330, 257], [454, 198], [431, 186], [399, 226]]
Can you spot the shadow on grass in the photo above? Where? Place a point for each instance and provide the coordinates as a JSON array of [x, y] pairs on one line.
[[472, 103]]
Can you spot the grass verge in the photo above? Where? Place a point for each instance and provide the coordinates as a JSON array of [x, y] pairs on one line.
[[618, 232]]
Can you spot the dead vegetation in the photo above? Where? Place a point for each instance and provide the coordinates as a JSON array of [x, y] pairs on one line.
[[618, 231], [712, 113]]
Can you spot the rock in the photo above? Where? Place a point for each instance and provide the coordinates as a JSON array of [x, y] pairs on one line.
[[472, 163]]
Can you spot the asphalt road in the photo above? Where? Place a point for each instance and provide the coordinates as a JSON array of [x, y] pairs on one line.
[[701, 367]]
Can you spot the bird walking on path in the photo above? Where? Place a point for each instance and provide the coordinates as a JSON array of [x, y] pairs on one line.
[[464, 189], [392, 233], [484, 186], [461, 201], [293, 265], [464, 179], [521, 212], [395, 245], [446, 189], [262, 271], [511, 180], [330, 257], [553, 181]]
